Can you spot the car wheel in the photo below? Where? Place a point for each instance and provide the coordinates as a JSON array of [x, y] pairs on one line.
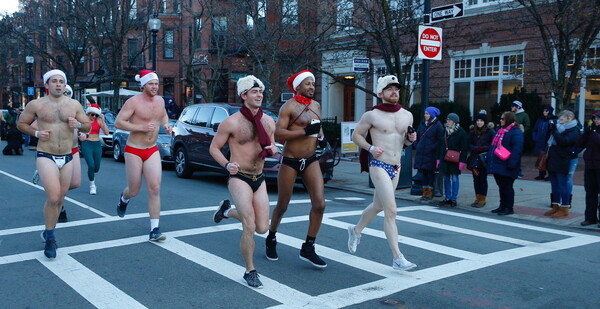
[[118, 152], [182, 165]]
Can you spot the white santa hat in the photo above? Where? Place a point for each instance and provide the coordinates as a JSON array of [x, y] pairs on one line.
[[145, 76], [70, 90], [53, 73], [246, 83], [295, 80]]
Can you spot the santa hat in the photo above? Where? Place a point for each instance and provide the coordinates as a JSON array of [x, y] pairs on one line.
[[295, 80], [246, 83], [69, 90], [145, 76], [386, 81], [94, 108], [53, 73]]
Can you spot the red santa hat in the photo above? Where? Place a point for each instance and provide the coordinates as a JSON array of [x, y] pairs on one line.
[[145, 76], [53, 73], [295, 80], [93, 108]]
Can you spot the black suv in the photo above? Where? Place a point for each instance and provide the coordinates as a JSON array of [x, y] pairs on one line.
[[195, 129]]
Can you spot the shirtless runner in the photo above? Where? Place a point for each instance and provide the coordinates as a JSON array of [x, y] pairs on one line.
[[57, 115], [299, 126], [141, 115], [387, 125], [250, 135]]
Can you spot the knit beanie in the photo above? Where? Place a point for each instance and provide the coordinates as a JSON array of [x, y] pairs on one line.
[[454, 117]]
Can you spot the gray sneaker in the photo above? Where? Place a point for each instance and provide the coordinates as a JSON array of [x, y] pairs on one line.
[[353, 239], [156, 235], [252, 279], [401, 263]]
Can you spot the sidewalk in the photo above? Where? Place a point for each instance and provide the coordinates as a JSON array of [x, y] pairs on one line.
[[532, 197]]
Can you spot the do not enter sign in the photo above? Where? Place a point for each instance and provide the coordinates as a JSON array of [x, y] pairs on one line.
[[430, 43]]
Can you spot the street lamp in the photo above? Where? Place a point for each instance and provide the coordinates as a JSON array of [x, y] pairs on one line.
[[154, 26], [29, 60]]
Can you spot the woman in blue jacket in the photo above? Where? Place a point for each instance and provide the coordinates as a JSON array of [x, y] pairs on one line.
[[506, 171], [561, 156], [540, 135], [429, 134]]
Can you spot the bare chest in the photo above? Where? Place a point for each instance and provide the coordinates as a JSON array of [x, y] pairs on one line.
[[148, 111], [390, 123], [55, 112], [302, 115], [247, 133]]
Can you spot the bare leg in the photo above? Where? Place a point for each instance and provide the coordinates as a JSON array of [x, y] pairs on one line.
[[152, 170], [385, 199], [76, 177], [285, 183], [313, 180], [56, 184], [133, 168]]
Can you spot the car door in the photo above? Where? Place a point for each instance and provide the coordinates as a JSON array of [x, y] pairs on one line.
[[218, 116], [203, 133]]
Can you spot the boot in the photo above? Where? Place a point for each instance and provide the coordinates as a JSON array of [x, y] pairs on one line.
[[563, 211], [482, 200], [541, 176], [477, 199], [424, 195], [552, 211]]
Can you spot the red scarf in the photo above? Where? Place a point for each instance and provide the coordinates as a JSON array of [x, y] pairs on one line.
[[302, 99], [363, 156], [263, 137]]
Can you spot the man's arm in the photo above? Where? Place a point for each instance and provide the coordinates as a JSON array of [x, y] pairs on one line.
[[281, 127], [83, 119], [27, 117], [123, 117], [361, 130], [220, 139]]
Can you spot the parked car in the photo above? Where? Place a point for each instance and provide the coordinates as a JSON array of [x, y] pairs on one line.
[[106, 139], [195, 129], [119, 139]]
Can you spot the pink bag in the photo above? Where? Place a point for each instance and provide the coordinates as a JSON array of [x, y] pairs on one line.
[[502, 152]]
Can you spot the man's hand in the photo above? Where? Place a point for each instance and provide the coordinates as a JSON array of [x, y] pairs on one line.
[[232, 167], [412, 137], [273, 148], [150, 127], [43, 135], [376, 151], [73, 123], [322, 142], [82, 136], [312, 129], [168, 128]]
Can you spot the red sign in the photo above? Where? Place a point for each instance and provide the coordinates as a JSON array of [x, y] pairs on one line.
[[430, 43]]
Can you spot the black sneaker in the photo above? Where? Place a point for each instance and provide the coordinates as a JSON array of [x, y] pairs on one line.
[[156, 235], [307, 253], [220, 213], [453, 203], [62, 217], [497, 210], [506, 211], [444, 202], [271, 244], [50, 248], [122, 208], [251, 278]]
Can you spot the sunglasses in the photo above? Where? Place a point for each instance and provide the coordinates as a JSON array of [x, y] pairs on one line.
[[67, 92], [93, 115], [501, 118]]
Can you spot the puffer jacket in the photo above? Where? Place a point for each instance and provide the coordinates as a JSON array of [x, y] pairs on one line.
[[513, 141], [426, 145], [560, 155]]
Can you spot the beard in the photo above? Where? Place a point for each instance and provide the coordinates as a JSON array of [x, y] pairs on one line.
[[391, 99]]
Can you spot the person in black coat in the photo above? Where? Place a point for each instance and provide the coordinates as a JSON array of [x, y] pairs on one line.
[[429, 135], [540, 135], [480, 139], [562, 142], [455, 138], [14, 140], [506, 171], [590, 140]]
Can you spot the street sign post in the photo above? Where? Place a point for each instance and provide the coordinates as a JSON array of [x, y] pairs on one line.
[[360, 64], [430, 43], [447, 12]]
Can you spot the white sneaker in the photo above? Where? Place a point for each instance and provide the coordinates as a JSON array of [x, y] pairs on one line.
[[401, 263], [92, 189], [353, 240]]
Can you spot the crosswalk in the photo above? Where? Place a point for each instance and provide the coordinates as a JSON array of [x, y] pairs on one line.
[[101, 293]]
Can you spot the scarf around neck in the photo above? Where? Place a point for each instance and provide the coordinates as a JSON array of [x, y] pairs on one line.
[[363, 156], [561, 127], [263, 137], [500, 134], [302, 99]]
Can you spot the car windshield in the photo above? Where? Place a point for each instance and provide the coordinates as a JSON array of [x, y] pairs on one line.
[[109, 118]]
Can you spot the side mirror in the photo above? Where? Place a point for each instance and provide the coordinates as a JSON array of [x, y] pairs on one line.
[[215, 126]]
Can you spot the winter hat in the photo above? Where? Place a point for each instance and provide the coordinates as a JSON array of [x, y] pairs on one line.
[[433, 111], [53, 73], [482, 115], [69, 91], [596, 115], [454, 117], [549, 108], [93, 108], [518, 104], [386, 81], [145, 76], [246, 83], [295, 80]]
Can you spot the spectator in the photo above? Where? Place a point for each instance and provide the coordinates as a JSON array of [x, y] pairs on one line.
[[480, 139], [14, 141], [455, 138], [506, 171], [561, 155], [3, 127], [540, 135], [521, 117], [590, 140], [429, 135]]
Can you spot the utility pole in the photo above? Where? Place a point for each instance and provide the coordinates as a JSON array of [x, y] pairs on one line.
[[425, 70]]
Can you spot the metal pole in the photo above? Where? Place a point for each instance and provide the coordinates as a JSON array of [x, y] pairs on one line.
[[153, 50], [425, 71]]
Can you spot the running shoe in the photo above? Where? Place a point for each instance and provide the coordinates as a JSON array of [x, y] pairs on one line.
[[122, 208], [271, 244], [92, 189], [156, 235], [36, 178], [307, 253], [251, 278], [50, 248], [353, 239], [220, 213], [62, 217], [401, 263]]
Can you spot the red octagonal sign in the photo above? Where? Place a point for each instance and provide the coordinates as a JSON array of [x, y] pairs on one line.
[[430, 43]]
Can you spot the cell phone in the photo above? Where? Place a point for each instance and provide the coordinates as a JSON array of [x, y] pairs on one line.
[[410, 130]]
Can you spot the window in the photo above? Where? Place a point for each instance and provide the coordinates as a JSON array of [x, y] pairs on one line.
[[513, 65], [345, 11], [177, 6], [197, 33], [203, 116], [487, 66], [218, 116], [219, 34], [249, 23], [162, 6], [133, 52], [133, 10], [261, 7], [482, 3], [187, 115], [168, 49], [462, 68], [405, 9], [593, 59], [289, 12]]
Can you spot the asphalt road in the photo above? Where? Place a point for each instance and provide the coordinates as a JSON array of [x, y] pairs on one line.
[[464, 259]]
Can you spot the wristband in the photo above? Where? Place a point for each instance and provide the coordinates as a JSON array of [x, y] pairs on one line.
[[36, 133], [370, 147], [79, 125], [227, 165]]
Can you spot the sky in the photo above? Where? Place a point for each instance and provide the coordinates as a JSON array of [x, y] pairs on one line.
[[8, 6]]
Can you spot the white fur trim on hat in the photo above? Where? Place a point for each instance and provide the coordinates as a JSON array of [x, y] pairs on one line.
[[301, 77], [53, 73], [386, 81], [69, 89], [146, 78], [94, 110], [246, 83]]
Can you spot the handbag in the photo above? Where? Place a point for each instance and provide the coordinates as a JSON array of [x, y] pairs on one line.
[[452, 156], [542, 161], [502, 152]]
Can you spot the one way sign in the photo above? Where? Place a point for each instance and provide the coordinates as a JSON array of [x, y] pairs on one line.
[[446, 12]]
